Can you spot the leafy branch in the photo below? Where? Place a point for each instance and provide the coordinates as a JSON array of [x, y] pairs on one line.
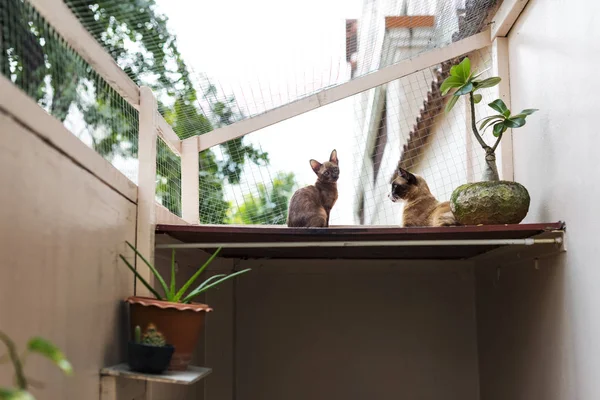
[[465, 81], [35, 345]]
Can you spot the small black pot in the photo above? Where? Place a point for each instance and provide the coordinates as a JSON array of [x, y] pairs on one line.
[[149, 359]]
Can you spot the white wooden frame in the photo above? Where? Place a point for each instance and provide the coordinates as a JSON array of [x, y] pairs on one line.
[[506, 16], [146, 210], [500, 68], [503, 21]]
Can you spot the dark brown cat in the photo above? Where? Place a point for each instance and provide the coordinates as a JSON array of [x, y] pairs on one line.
[[421, 208], [310, 206]]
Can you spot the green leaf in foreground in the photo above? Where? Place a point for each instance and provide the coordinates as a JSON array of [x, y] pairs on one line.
[[51, 352], [15, 394]]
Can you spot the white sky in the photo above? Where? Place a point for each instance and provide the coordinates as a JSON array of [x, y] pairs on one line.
[[268, 52]]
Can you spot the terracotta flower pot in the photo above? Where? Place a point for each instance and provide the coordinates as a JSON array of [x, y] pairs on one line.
[[181, 325]]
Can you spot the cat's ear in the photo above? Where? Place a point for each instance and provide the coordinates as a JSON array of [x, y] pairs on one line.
[[315, 165], [410, 178], [333, 157]]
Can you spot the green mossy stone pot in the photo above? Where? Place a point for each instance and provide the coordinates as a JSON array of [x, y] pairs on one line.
[[490, 203]]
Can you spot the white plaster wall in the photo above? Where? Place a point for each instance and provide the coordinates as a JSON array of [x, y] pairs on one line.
[[539, 330]]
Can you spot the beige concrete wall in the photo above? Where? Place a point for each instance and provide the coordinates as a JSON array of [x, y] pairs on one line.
[[539, 331], [61, 231], [347, 330]]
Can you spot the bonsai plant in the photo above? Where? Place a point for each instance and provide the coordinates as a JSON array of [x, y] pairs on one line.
[[35, 345], [180, 319], [491, 201], [149, 353]]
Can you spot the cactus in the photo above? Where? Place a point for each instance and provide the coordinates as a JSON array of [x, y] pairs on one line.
[[152, 337], [137, 337]]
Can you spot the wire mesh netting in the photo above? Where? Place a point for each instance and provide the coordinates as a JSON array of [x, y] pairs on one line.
[[409, 127], [401, 123], [39, 62], [282, 61], [168, 177]]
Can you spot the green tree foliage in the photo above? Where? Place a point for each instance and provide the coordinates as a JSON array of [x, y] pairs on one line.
[[135, 34], [270, 206]]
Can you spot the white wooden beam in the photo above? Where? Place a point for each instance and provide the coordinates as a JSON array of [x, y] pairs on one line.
[[60, 17], [168, 135], [355, 86], [146, 215], [500, 67], [506, 16], [190, 186]]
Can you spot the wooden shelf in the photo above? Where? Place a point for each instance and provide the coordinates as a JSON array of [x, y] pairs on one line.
[[189, 377], [359, 242], [119, 382]]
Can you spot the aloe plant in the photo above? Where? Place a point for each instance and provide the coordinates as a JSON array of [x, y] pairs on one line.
[[35, 345], [171, 293], [467, 82]]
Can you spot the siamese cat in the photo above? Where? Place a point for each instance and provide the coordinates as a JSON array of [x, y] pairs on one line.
[[310, 206], [421, 208]]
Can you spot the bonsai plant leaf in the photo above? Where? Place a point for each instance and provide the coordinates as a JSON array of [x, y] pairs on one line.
[[498, 105], [514, 122], [499, 128], [451, 102], [525, 113], [467, 88], [485, 122], [463, 70], [449, 83], [477, 98], [190, 281], [172, 289], [154, 271], [489, 82], [205, 288], [51, 352], [141, 278], [454, 71]]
